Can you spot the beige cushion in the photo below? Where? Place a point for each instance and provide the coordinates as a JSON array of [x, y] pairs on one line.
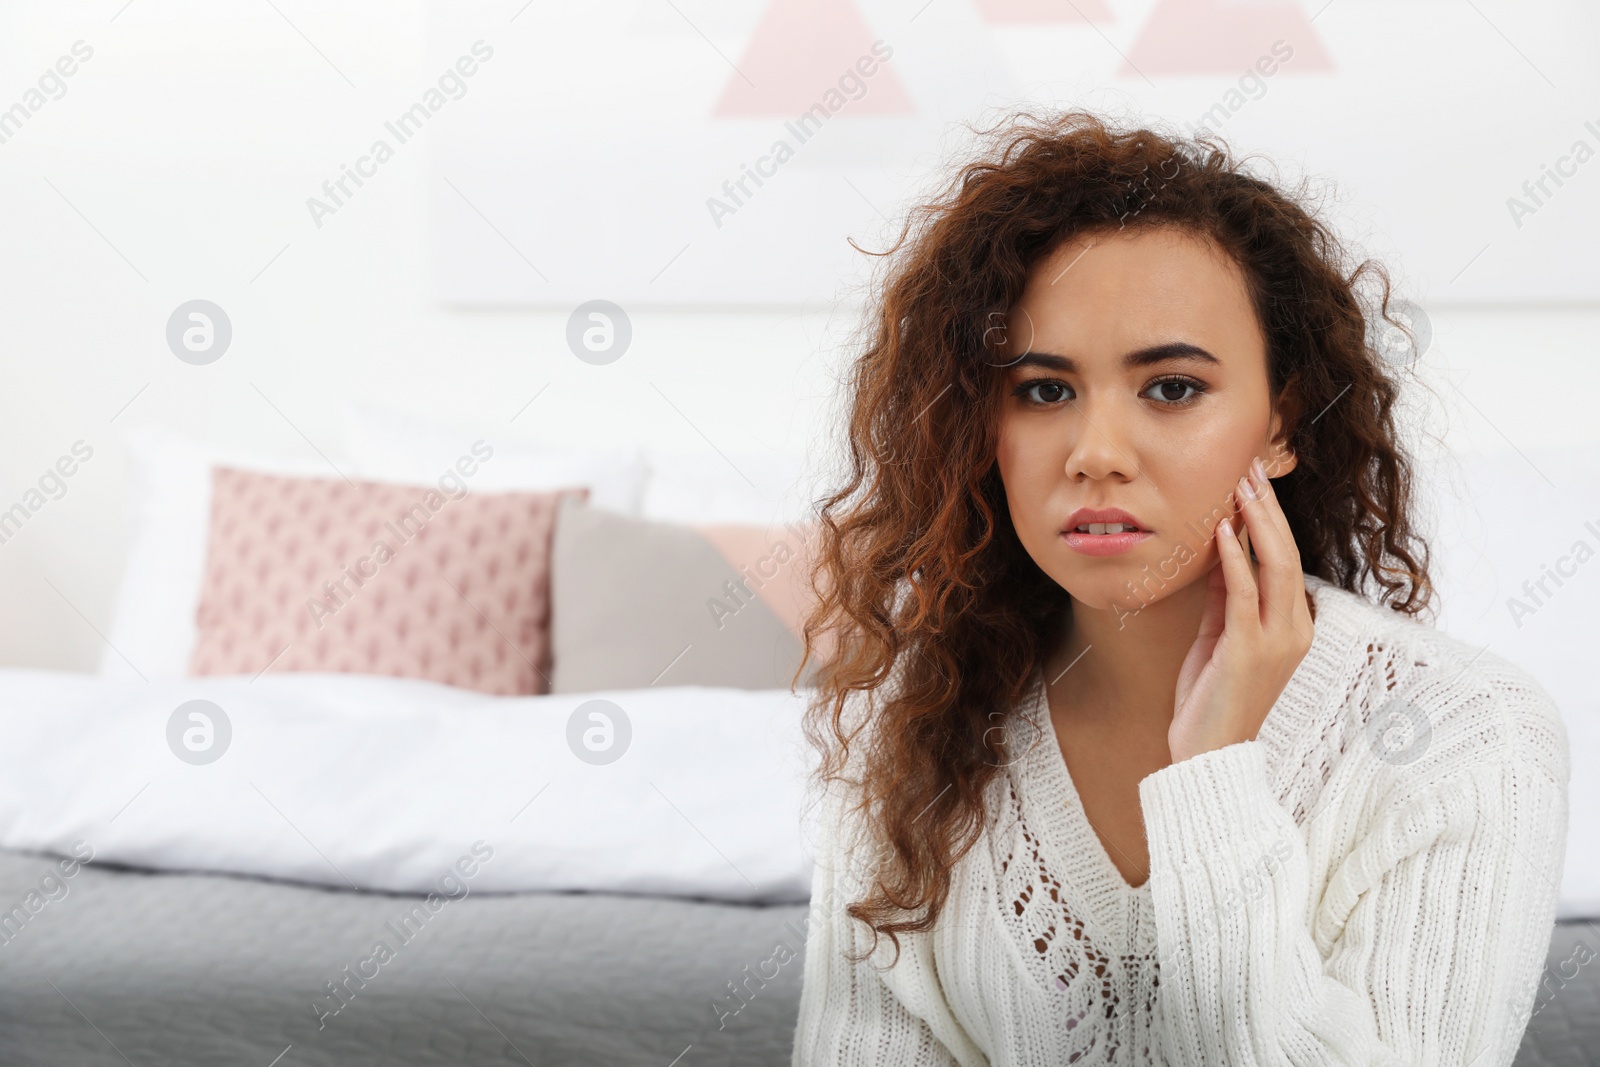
[[636, 603]]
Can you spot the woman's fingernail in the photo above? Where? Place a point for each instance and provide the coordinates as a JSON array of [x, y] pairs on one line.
[[1247, 490], [1226, 527], [1261, 471]]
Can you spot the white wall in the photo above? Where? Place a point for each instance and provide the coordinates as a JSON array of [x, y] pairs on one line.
[[177, 166]]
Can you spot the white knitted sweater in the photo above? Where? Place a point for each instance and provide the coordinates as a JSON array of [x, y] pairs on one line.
[[1371, 880]]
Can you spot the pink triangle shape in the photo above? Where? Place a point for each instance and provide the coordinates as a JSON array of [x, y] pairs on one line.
[[1217, 37], [799, 52], [1035, 12]]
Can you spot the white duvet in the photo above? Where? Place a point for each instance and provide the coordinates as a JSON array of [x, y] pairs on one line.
[[389, 783]]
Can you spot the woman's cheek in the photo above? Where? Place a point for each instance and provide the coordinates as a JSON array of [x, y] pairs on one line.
[[1199, 492]]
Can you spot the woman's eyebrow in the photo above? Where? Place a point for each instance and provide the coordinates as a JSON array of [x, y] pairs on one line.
[[1142, 357], [1172, 350]]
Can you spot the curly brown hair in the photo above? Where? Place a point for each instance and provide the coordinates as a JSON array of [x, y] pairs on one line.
[[919, 575]]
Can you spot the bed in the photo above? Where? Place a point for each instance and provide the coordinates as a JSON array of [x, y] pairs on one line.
[[1565, 1029], [186, 968], [553, 907], [534, 908], [199, 969]]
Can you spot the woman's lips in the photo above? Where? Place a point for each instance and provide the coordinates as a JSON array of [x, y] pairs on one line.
[[1107, 544], [1080, 534]]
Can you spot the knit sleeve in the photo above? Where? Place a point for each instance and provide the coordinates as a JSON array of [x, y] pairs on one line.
[[1425, 947], [848, 1013]]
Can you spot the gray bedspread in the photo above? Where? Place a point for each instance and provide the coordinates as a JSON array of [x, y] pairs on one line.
[[171, 970], [168, 970]]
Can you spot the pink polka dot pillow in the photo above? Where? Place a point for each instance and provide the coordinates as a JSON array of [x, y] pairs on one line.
[[315, 574]]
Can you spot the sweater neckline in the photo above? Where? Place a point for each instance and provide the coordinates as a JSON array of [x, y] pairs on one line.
[[1064, 813], [1103, 895], [1117, 917]]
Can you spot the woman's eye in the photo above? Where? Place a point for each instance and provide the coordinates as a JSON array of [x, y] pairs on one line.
[[1174, 390], [1044, 392]]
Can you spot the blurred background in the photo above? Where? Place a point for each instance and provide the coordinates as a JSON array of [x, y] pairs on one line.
[[625, 243], [596, 152]]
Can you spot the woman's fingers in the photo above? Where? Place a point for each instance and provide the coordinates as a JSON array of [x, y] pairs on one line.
[[1274, 513], [1269, 542], [1213, 619], [1244, 605], [1282, 581]]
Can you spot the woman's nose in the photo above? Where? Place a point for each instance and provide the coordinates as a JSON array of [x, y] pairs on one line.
[[1101, 447]]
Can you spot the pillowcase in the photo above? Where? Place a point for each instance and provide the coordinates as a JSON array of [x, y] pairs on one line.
[[152, 631], [323, 574], [637, 603], [743, 488]]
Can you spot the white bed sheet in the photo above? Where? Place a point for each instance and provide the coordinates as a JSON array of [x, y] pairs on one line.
[[385, 783]]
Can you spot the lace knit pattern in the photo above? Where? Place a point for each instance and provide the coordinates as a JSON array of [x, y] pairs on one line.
[[1039, 913], [1372, 879]]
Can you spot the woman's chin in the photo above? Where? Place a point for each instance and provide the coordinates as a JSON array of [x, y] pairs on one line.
[[1106, 593], [1121, 594]]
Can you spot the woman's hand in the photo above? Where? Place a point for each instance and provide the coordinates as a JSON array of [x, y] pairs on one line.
[[1252, 635]]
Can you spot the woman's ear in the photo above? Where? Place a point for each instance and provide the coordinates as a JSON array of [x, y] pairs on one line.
[[1279, 459]]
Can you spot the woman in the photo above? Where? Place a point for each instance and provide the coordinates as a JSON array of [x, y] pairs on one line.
[[1121, 763]]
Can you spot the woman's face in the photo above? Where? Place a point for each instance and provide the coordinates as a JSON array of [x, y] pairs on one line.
[[1142, 387]]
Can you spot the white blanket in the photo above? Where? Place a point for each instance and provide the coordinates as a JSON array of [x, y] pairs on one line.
[[386, 783]]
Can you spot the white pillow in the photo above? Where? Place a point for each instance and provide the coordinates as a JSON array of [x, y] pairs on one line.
[[755, 488], [385, 446], [153, 628]]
